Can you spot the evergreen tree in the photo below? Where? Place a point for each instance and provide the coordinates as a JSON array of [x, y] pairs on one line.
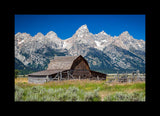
[[16, 73]]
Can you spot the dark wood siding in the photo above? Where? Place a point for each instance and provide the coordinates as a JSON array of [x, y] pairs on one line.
[[80, 68], [80, 64], [98, 75]]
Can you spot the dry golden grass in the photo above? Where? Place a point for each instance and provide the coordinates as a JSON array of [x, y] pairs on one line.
[[125, 83], [85, 84], [21, 80], [76, 81]]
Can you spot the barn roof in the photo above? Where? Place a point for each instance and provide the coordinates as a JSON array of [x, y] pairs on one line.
[[61, 62], [46, 72], [92, 71], [58, 64]]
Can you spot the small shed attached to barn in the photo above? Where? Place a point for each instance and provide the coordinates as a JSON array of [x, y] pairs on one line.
[[65, 68]]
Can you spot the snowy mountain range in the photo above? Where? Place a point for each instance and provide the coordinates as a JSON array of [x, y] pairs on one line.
[[103, 52]]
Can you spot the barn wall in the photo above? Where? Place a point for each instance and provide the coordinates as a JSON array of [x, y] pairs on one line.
[[98, 75], [80, 69], [82, 73], [37, 80], [80, 64]]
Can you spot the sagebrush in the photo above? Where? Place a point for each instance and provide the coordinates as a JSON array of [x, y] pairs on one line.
[[122, 96], [39, 93], [79, 90]]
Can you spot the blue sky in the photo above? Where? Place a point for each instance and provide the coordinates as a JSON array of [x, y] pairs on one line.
[[66, 25]]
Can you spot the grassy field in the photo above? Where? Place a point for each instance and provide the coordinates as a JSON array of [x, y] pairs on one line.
[[79, 90]]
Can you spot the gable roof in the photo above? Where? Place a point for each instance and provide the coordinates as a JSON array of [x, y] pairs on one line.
[[58, 64], [61, 62]]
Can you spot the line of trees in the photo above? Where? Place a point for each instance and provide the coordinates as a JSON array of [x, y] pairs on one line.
[[16, 73]]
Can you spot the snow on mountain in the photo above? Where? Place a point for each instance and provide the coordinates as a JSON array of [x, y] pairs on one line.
[[81, 36], [82, 30], [102, 40], [126, 41], [99, 45], [122, 52], [21, 42], [22, 37]]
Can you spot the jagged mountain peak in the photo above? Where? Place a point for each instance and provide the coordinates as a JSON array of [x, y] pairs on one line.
[[21, 37], [123, 51], [125, 33], [125, 36], [103, 33], [51, 34], [22, 34], [19, 33], [39, 35], [83, 29]]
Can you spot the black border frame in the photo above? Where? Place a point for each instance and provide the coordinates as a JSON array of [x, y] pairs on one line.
[[10, 40]]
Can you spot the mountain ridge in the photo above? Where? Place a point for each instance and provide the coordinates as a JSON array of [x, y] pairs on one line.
[[37, 50]]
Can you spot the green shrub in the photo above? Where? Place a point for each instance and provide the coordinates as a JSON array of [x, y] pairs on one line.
[[74, 97], [88, 96], [39, 93], [18, 93], [62, 97], [121, 96], [70, 94], [138, 96], [73, 89], [33, 97], [92, 96]]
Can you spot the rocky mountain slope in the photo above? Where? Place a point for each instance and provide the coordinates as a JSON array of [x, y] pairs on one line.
[[103, 52]]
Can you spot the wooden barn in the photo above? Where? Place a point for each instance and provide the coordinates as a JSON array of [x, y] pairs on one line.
[[65, 68]]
